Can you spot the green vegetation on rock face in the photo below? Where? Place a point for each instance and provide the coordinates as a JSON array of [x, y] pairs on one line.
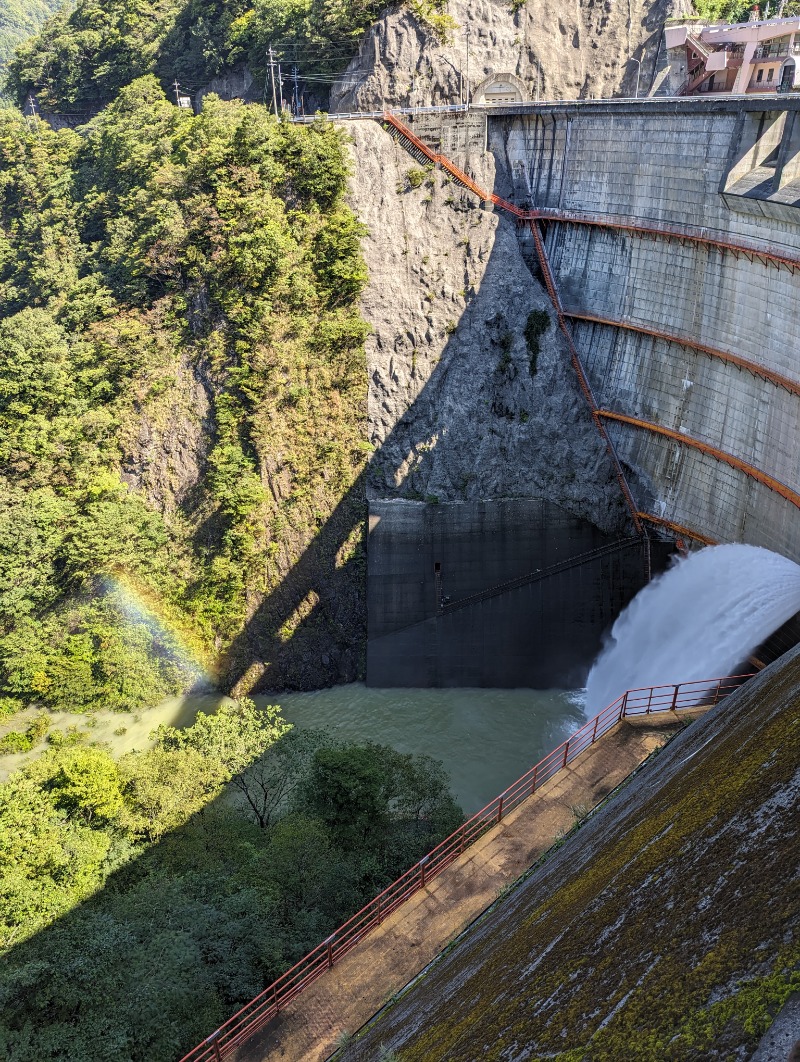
[[182, 391], [739, 10], [118, 947], [20, 19], [85, 56]]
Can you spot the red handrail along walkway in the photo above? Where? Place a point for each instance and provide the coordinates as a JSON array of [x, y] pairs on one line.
[[261, 1010]]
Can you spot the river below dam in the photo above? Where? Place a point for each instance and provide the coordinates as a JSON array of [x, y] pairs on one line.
[[486, 738]]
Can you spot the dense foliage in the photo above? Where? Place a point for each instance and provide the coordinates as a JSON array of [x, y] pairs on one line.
[[156, 257], [169, 938], [85, 56], [20, 19], [739, 10]]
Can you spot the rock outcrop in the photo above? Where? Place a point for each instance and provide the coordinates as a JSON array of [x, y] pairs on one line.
[[590, 49], [461, 406]]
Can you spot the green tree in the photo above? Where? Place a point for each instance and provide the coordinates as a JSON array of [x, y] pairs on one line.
[[48, 862], [232, 737], [83, 782], [20, 19], [162, 787], [348, 792], [271, 783], [159, 244]]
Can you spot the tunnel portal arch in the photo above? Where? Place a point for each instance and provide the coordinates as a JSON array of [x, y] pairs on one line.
[[500, 88]]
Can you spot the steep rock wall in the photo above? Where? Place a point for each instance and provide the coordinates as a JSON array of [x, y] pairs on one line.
[[467, 411], [455, 411], [587, 50]]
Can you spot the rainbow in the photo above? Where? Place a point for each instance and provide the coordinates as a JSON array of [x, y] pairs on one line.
[[139, 605]]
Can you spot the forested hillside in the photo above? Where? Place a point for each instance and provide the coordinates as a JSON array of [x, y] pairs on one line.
[[20, 19], [128, 934], [83, 57], [182, 390], [182, 403]]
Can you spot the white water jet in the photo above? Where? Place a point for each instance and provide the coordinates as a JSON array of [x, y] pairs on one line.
[[700, 619]]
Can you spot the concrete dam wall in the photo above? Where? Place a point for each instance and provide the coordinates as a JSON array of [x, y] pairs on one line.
[[495, 593], [723, 367], [654, 214]]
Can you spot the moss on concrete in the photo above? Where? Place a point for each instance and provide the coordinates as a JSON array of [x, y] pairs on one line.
[[665, 930]]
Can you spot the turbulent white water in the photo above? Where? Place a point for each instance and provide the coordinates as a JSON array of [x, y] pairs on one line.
[[699, 620]]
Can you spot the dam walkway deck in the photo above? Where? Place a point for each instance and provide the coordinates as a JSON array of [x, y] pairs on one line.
[[310, 1028], [411, 921]]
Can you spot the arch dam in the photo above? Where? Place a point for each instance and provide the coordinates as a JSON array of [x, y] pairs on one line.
[[667, 234]]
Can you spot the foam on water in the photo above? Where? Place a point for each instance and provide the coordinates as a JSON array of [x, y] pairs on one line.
[[700, 619]]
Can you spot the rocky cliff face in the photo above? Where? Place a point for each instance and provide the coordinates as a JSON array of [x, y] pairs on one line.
[[460, 404], [588, 49]]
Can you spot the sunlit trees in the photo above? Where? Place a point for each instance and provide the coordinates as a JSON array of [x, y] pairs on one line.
[[159, 241]]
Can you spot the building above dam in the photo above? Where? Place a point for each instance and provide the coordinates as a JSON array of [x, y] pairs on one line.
[[759, 56]]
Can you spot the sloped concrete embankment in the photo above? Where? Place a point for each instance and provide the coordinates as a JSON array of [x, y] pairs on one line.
[[666, 928]]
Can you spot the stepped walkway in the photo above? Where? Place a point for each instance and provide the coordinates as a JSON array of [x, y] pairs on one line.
[[348, 977], [394, 953]]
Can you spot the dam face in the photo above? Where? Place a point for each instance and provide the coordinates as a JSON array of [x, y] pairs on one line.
[[508, 593], [724, 367], [653, 216]]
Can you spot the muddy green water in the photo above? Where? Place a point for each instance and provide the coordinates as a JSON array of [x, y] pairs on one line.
[[485, 738]]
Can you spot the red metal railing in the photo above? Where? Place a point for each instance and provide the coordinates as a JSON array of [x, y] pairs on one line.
[[583, 379], [256, 1014], [706, 448], [641, 227], [760, 371]]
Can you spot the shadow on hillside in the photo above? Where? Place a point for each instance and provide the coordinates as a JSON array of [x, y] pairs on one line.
[[184, 932], [310, 631], [175, 940]]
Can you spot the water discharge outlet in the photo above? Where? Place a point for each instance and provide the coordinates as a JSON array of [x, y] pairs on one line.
[[706, 615]]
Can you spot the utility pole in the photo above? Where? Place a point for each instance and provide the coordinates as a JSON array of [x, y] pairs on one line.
[[177, 88], [467, 32], [280, 85], [296, 92], [272, 75], [32, 117]]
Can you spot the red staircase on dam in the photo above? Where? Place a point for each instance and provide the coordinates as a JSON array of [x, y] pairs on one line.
[[708, 238], [234, 1034], [683, 233]]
